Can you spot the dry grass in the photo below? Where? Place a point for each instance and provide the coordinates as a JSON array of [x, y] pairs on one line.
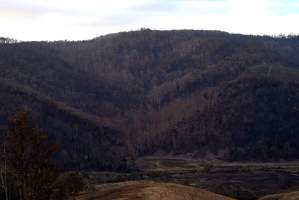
[[283, 196], [149, 191]]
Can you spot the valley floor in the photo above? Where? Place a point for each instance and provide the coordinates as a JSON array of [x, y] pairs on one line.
[[239, 180]]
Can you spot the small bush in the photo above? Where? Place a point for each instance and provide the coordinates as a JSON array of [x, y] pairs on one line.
[[207, 167], [67, 186]]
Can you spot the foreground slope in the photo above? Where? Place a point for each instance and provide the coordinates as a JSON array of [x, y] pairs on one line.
[[149, 191], [282, 196]]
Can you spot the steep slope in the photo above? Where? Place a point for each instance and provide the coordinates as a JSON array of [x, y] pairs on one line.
[[73, 129], [161, 90], [250, 118]]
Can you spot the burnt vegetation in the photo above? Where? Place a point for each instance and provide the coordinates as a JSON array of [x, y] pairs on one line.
[[27, 167], [119, 96]]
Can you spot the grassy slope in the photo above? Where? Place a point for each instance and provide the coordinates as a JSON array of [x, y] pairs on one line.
[[283, 196], [149, 191]]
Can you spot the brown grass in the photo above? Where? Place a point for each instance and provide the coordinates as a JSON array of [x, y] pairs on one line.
[[282, 196], [149, 191]]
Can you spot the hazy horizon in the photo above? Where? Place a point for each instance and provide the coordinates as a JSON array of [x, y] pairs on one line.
[[30, 20]]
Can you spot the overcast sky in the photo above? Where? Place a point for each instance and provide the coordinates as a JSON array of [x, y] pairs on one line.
[[85, 19]]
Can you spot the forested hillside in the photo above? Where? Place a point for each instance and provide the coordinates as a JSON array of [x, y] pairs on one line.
[[112, 98]]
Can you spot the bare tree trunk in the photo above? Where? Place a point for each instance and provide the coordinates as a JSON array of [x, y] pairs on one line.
[[5, 176], [4, 184]]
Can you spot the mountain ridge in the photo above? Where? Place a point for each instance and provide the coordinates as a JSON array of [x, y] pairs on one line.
[[149, 85]]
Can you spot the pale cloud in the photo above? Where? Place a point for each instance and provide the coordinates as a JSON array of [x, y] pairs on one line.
[[84, 19]]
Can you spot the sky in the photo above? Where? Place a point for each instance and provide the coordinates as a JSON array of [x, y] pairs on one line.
[[29, 20]]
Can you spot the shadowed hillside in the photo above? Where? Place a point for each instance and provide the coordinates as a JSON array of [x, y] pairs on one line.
[[148, 91]]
